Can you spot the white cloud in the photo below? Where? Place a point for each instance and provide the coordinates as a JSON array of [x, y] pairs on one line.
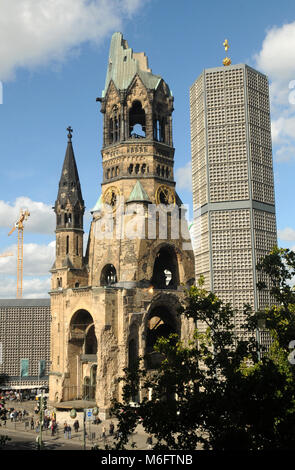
[[287, 234], [277, 60], [277, 55], [183, 176], [34, 32], [41, 219], [37, 259], [32, 288]]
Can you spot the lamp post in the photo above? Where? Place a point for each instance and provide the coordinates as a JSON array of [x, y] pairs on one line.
[[73, 414], [41, 411]]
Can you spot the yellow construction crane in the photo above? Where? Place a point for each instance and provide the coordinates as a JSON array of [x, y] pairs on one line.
[[24, 214]]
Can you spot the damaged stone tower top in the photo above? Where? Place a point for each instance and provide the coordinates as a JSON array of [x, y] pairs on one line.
[[124, 64]]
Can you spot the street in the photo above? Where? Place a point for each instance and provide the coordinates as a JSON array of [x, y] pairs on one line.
[[24, 438]]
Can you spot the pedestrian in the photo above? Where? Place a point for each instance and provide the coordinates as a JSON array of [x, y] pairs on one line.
[[69, 430], [11, 416], [149, 442], [32, 423], [103, 432], [52, 427], [76, 425], [65, 429], [112, 427]]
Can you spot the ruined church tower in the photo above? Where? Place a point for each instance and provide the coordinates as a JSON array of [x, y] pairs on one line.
[[110, 306]]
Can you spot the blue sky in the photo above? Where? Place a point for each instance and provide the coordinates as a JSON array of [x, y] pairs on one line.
[[53, 63]]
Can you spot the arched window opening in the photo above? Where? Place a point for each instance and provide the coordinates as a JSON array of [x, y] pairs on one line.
[[165, 273], [90, 341], [82, 344], [67, 244], [108, 275], [114, 125], [93, 373], [111, 130], [82, 332], [130, 169], [77, 220], [117, 128], [68, 218], [77, 245], [159, 129], [137, 126], [132, 354], [160, 324]]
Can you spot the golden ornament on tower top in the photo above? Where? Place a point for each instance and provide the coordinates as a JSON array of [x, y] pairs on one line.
[[227, 60]]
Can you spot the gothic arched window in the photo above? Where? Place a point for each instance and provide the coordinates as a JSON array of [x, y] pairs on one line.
[[108, 275], [114, 125]]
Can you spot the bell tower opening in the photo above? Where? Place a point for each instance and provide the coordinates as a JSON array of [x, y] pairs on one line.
[[137, 126]]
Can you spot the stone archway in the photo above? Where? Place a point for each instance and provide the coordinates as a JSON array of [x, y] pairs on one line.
[[82, 353], [160, 322]]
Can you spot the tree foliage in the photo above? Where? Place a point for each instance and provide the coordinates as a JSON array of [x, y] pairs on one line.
[[221, 391]]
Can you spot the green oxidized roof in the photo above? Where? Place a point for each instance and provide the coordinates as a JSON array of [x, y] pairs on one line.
[[124, 64], [97, 206], [138, 194]]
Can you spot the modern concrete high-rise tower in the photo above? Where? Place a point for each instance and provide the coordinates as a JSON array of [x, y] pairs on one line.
[[233, 187]]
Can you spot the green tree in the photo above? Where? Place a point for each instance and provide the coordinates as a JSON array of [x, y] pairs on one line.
[[221, 392]]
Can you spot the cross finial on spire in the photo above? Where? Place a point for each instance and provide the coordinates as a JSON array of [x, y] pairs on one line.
[[70, 131]]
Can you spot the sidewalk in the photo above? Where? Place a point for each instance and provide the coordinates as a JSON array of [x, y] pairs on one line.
[[93, 437]]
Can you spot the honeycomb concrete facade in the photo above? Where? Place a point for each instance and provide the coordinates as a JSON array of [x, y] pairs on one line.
[[109, 306], [233, 187], [24, 343]]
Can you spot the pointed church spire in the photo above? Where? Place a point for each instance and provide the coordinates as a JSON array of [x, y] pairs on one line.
[[69, 185]]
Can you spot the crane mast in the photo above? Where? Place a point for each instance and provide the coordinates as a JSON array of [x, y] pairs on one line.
[[24, 214]]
